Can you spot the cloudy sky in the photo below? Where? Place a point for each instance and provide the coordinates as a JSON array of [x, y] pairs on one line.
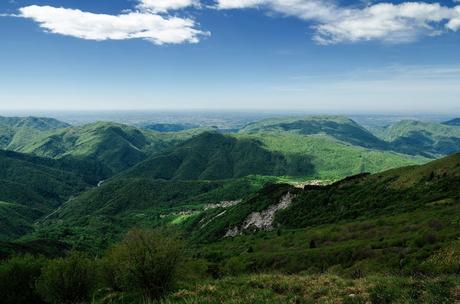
[[318, 55]]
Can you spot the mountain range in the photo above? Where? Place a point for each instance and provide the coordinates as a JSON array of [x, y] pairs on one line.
[[87, 184]]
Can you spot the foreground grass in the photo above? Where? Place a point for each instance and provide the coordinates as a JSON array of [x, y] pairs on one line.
[[324, 288]]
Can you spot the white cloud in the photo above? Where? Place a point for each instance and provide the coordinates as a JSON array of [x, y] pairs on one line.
[[150, 26], [161, 6], [454, 23], [383, 21]]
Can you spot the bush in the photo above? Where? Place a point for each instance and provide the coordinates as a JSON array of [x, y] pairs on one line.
[[383, 294], [67, 280], [17, 279], [146, 262]]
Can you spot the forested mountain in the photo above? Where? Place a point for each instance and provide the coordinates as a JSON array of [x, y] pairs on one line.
[[213, 156], [289, 195], [18, 131], [338, 127], [424, 138], [116, 146], [360, 197], [31, 187], [336, 144]]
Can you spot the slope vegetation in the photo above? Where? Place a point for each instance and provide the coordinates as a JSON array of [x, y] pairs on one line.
[[213, 156], [424, 138], [18, 131], [32, 186]]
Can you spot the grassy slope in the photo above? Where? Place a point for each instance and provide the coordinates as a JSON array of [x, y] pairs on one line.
[[318, 288]]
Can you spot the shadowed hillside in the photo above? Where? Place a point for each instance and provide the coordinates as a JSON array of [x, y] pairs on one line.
[[32, 186], [213, 156]]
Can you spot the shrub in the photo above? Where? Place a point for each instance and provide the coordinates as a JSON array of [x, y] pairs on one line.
[[234, 266], [17, 279], [146, 261], [67, 280], [382, 294]]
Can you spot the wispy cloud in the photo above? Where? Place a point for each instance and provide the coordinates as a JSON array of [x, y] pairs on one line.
[[334, 24], [162, 6], [149, 21]]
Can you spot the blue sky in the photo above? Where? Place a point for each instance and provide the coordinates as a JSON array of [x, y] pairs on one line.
[[331, 56]]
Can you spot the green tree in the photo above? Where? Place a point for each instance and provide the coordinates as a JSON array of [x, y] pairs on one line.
[[17, 279], [146, 261], [67, 280]]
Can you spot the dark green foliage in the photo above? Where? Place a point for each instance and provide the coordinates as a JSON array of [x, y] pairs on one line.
[[213, 156], [17, 280], [210, 226], [99, 216], [69, 280], [391, 192], [32, 186], [146, 261], [45, 247]]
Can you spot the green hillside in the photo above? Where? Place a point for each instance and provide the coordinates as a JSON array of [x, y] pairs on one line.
[[424, 138], [113, 145], [331, 158], [213, 156], [32, 186], [100, 215], [338, 127], [355, 198], [18, 131], [403, 221], [38, 123]]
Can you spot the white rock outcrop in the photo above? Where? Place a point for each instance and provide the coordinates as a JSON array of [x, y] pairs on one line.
[[262, 220]]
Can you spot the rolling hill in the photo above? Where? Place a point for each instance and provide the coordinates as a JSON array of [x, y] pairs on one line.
[[423, 138], [213, 156], [336, 145], [32, 186], [338, 127], [18, 131], [116, 146]]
